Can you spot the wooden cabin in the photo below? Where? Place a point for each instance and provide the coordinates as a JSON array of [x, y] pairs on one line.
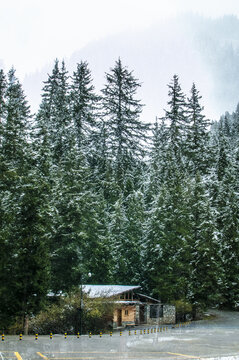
[[132, 307]]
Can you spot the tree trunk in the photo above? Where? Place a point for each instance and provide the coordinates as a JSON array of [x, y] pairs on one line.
[[26, 324]]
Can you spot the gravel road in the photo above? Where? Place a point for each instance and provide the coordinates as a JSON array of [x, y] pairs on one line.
[[211, 339]]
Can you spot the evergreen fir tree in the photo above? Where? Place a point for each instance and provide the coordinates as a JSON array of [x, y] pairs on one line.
[[166, 253], [97, 249], [157, 170], [228, 234], [83, 105], [126, 233], [125, 133], [197, 148], [223, 159], [54, 112], [24, 273], [117, 230], [205, 267], [2, 96], [80, 240], [31, 273], [176, 116], [235, 124], [16, 123], [67, 241]]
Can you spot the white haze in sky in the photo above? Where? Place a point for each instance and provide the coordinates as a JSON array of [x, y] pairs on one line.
[[36, 32]]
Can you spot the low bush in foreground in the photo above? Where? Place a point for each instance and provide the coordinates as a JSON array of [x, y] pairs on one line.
[[65, 316]]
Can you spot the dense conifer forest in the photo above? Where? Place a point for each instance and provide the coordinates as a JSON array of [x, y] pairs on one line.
[[86, 186]]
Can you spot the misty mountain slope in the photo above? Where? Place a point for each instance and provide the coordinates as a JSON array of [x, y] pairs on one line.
[[218, 43], [199, 50]]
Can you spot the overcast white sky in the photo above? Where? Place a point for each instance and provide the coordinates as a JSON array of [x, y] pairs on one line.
[[34, 32]]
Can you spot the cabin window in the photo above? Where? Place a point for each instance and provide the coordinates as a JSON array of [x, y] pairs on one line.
[[126, 312], [154, 311], [127, 296]]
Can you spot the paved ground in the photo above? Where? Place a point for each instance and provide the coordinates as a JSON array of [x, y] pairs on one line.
[[217, 339]]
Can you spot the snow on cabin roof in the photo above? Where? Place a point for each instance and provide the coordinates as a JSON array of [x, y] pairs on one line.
[[107, 290]]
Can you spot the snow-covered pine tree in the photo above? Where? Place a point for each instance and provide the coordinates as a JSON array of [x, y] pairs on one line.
[[126, 134], [14, 119], [65, 125], [228, 131], [2, 95], [80, 239], [24, 273], [197, 141], [97, 248], [31, 266], [155, 172], [228, 233], [225, 201], [126, 233], [54, 112], [223, 155], [206, 273], [83, 106], [177, 119], [166, 242], [167, 213], [117, 233], [3, 86], [41, 144], [101, 164], [16, 123], [235, 124]]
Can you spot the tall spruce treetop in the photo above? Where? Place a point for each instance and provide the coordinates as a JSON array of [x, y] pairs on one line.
[[2, 102], [235, 123], [54, 112], [197, 139], [126, 132], [15, 121], [83, 104], [2, 93], [176, 116]]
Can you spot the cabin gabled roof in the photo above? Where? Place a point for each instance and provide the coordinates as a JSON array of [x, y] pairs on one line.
[[95, 291]]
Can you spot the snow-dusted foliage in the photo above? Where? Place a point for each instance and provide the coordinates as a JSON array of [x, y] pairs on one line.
[[24, 217], [82, 191], [126, 134]]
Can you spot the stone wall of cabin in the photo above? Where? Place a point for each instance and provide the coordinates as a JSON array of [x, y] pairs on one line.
[[169, 316]]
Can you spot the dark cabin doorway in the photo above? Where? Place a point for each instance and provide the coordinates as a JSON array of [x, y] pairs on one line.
[[119, 317], [142, 317]]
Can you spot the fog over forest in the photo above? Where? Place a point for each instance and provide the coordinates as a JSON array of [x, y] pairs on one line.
[[198, 49]]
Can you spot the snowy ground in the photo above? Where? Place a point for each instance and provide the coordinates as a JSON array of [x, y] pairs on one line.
[[214, 339]]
